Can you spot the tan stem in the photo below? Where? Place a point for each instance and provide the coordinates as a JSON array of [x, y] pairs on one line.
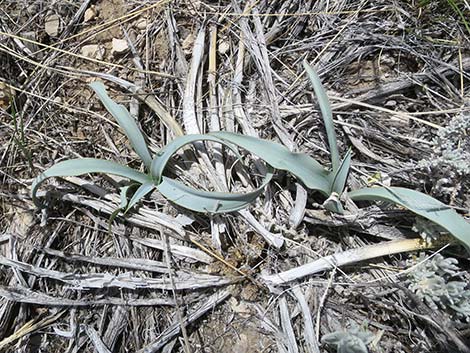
[[352, 256]]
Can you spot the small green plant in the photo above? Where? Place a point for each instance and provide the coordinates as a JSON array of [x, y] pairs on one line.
[[463, 14], [352, 340], [311, 173], [439, 282], [458, 7]]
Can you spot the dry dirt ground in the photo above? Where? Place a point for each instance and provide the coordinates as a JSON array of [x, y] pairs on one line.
[[170, 280]]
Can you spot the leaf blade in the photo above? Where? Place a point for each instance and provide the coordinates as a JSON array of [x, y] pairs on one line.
[[209, 202], [339, 178], [421, 204], [143, 190], [126, 121], [327, 115], [160, 161], [198, 200], [305, 168], [75, 167]]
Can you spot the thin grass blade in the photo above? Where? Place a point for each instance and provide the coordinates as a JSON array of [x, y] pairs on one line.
[[325, 108], [421, 204], [81, 166], [126, 121], [309, 171]]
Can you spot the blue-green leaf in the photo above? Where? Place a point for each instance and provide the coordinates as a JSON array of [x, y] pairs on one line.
[[143, 190], [209, 202], [163, 156], [126, 121], [309, 171], [325, 108], [123, 195], [421, 204], [338, 178], [122, 204], [198, 200], [81, 166]]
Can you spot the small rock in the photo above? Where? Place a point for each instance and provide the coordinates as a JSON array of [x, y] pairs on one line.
[[52, 25], [120, 46], [249, 292], [32, 9], [93, 51], [90, 14], [339, 289], [223, 47], [142, 24]]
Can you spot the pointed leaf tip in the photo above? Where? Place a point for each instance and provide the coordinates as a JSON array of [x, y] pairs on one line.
[[126, 121], [327, 114], [421, 204], [75, 167]]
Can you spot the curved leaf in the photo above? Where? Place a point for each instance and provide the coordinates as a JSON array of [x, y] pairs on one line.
[[333, 204], [143, 190], [163, 156], [421, 204], [122, 205], [198, 200], [123, 195], [305, 168], [126, 121], [325, 108], [205, 201], [74, 167]]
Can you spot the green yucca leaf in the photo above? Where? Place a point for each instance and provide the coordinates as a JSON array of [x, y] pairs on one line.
[[305, 168], [211, 202], [123, 195], [122, 204], [339, 178], [325, 108], [81, 166], [143, 190], [126, 121], [198, 200], [421, 204], [163, 156]]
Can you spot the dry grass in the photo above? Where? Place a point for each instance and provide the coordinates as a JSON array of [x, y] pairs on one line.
[[165, 279]]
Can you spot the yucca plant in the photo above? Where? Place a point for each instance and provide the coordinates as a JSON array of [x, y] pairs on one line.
[[153, 178], [329, 182]]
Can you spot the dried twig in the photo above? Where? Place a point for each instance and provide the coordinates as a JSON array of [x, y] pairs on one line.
[[174, 329], [349, 257]]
